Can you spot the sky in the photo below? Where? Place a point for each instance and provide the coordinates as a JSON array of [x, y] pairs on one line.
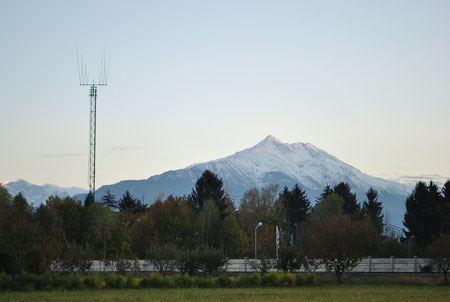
[[193, 81]]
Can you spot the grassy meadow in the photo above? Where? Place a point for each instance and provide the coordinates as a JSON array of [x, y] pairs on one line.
[[337, 293]]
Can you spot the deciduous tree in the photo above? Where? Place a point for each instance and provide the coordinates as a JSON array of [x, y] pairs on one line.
[[341, 243], [439, 252]]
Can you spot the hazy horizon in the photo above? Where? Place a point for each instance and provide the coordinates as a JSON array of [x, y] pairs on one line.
[[191, 82]]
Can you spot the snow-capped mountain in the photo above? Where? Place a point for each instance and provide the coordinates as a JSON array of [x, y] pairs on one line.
[[36, 195], [270, 162]]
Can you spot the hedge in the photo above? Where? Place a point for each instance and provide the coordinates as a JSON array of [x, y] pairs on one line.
[[98, 281]]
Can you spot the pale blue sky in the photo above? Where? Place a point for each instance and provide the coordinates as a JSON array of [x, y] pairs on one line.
[[191, 81]]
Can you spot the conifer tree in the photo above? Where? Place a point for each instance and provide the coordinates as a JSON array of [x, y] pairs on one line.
[[131, 204], [422, 216], [90, 199], [445, 208], [208, 187], [325, 193], [109, 200], [373, 208], [296, 206], [351, 205]]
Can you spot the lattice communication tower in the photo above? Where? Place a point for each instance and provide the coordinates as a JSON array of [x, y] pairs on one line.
[[83, 75]]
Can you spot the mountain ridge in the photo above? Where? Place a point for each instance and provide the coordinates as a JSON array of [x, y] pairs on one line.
[[271, 161], [36, 194]]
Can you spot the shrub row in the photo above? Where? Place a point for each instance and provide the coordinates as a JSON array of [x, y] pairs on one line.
[[30, 282]]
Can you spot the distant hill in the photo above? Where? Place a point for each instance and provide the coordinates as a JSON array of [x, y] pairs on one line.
[[270, 162], [36, 195]]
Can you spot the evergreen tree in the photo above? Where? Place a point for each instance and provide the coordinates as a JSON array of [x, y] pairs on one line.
[[296, 206], [445, 208], [109, 200], [422, 216], [209, 187], [127, 202], [90, 199], [373, 208], [325, 193], [351, 205]]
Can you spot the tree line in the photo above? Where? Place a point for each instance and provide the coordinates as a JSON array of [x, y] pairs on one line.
[[336, 231]]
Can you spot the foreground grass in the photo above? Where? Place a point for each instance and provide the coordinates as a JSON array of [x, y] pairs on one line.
[[337, 293]]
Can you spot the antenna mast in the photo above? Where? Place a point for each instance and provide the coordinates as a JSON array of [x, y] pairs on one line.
[[86, 81]]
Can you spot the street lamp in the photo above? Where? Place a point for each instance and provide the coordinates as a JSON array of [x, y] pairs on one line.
[[257, 226]]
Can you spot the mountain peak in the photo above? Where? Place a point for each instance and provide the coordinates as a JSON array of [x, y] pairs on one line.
[[271, 138]]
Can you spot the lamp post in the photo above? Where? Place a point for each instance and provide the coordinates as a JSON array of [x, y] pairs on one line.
[[256, 228]]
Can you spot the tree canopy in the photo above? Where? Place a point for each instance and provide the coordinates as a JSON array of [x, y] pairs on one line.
[[209, 187]]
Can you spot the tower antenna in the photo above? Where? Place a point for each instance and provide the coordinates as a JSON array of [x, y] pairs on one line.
[[102, 80]]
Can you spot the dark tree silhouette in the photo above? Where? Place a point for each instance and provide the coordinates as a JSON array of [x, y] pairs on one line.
[[90, 199], [296, 205], [208, 187], [445, 208], [110, 200], [373, 208], [422, 216], [325, 193], [130, 204], [351, 205]]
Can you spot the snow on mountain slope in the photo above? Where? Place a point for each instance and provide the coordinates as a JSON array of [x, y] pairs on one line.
[[270, 162], [36, 195]]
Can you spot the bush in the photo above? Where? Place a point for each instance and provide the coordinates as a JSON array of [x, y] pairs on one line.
[[115, 281], [427, 268], [262, 265], [75, 259], [6, 282], [182, 281], [304, 279], [271, 279], [154, 280], [204, 282], [189, 262], [242, 281], [254, 280], [206, 259], [68, 282], [439, 251], [212, 260], [288, 259], [29, 282], [58, 281], [123, 265], [26, 282], [134, 282], [287, 279], [163, 257], [44, 282], [94, 282], [169, 282], [111, 280], [223, 281]]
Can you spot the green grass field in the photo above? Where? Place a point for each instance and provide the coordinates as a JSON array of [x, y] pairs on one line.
[[339, 293]]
